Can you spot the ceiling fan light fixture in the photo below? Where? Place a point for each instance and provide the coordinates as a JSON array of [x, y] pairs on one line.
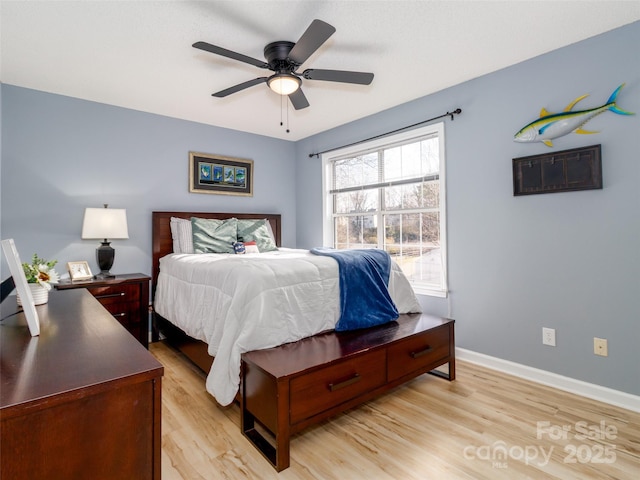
[[284, 83]]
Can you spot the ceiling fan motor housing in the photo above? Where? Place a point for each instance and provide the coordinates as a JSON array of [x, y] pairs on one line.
[[277, 55]]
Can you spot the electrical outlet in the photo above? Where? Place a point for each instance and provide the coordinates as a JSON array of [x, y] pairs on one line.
[[549, 336], [600, 347]]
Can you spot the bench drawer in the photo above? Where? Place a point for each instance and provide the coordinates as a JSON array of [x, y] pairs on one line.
[[322, 389], [417, 352]]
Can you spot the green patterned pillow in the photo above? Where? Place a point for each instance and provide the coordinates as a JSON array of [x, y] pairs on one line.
[[258, 231], [213, 236]]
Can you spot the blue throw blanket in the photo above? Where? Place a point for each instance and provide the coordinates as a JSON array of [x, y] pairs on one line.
[[364, 297]]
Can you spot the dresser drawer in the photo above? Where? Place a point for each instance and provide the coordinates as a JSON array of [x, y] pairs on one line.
[[110, 294], [322, 389], [416, 352]]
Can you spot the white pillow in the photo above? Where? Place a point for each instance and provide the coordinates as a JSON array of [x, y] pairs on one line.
[[181, 235]]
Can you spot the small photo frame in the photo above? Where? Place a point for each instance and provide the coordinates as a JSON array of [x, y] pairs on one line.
[[79, 271], [218, 174], [22, 286]]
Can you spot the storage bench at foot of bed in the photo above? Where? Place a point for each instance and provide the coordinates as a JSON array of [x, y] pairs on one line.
[[287, 388]]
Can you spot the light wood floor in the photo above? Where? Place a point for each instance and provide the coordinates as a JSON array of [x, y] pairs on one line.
[[484, 425]]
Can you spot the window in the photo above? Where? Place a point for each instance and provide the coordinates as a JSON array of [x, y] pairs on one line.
[[389, 194]]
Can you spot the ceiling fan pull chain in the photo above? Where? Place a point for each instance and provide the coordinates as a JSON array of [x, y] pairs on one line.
[[281, 107], [287, 116]]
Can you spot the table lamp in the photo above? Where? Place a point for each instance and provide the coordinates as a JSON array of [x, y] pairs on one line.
[[105, 223]]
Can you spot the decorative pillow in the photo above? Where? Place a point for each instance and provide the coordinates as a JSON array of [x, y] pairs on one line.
[[214, 236], [251, 247], [258, 231], [181, 235]]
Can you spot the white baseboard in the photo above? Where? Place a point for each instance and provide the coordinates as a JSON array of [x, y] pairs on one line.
[[589, 390]]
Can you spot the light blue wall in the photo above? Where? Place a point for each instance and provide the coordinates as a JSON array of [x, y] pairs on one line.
[[60, 155], [568, 261]]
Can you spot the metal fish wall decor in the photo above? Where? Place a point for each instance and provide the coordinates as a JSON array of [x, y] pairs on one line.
[[554, 125]]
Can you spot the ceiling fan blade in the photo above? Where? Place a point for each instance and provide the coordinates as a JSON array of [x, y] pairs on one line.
[[229, 54], [239, 87], [298, 100], [343, 76], [317, 33]]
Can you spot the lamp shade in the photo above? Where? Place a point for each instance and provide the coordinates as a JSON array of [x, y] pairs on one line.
[[105, 223]]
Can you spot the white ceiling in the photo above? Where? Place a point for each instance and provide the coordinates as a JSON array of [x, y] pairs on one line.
[[138, 54]]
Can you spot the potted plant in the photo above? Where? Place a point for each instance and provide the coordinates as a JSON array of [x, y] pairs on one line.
[[40, 275]]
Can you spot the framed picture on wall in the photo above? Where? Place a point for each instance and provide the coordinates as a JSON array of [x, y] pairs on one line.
[[221, 175], [20, 280]]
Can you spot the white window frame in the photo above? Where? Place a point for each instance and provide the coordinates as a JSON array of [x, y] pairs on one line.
[[436, 129]]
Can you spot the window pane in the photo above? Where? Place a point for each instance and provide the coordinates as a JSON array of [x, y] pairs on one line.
[[341, 229], [411, 160], [342, 203], [356, 171], [393, 198], [359, 231], [345, 173], [430, 155], [404, 197], [431, 229], [364, 201], [369, 231], [392, 164], [392, 233], [355, 231], [359, 201], [370, 167], [410, 228], [408, 261], [412, 196], [428, 268], [403, 162], [425, 268], [431, 194]]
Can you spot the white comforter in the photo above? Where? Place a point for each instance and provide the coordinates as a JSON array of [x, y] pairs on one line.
[[239, 303]]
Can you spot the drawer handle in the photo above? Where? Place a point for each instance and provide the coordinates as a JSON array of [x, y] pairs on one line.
[[110, 295], [119, 315], [345, 383], [422, 352]]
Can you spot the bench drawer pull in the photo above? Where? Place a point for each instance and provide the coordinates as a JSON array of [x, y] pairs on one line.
[[422, 352], [337, 386]]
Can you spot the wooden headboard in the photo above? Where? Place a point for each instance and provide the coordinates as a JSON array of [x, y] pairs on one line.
[[162, 243]]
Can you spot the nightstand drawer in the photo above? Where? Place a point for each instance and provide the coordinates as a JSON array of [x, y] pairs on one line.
[[110, 294], [417, 352], [125, 313], [325, 388]]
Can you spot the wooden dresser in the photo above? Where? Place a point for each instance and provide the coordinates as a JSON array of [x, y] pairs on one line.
[[82, 400], [288, 388], [125, 296]]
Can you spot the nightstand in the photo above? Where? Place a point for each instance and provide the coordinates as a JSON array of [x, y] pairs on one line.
[[125, 296]]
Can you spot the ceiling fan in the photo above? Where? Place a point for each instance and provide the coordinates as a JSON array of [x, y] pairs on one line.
[[284, 58]]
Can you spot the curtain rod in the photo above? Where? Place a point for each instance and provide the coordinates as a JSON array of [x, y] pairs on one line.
[[457, 111]]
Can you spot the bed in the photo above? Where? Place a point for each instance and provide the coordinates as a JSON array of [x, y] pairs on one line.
[[282, 387]]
